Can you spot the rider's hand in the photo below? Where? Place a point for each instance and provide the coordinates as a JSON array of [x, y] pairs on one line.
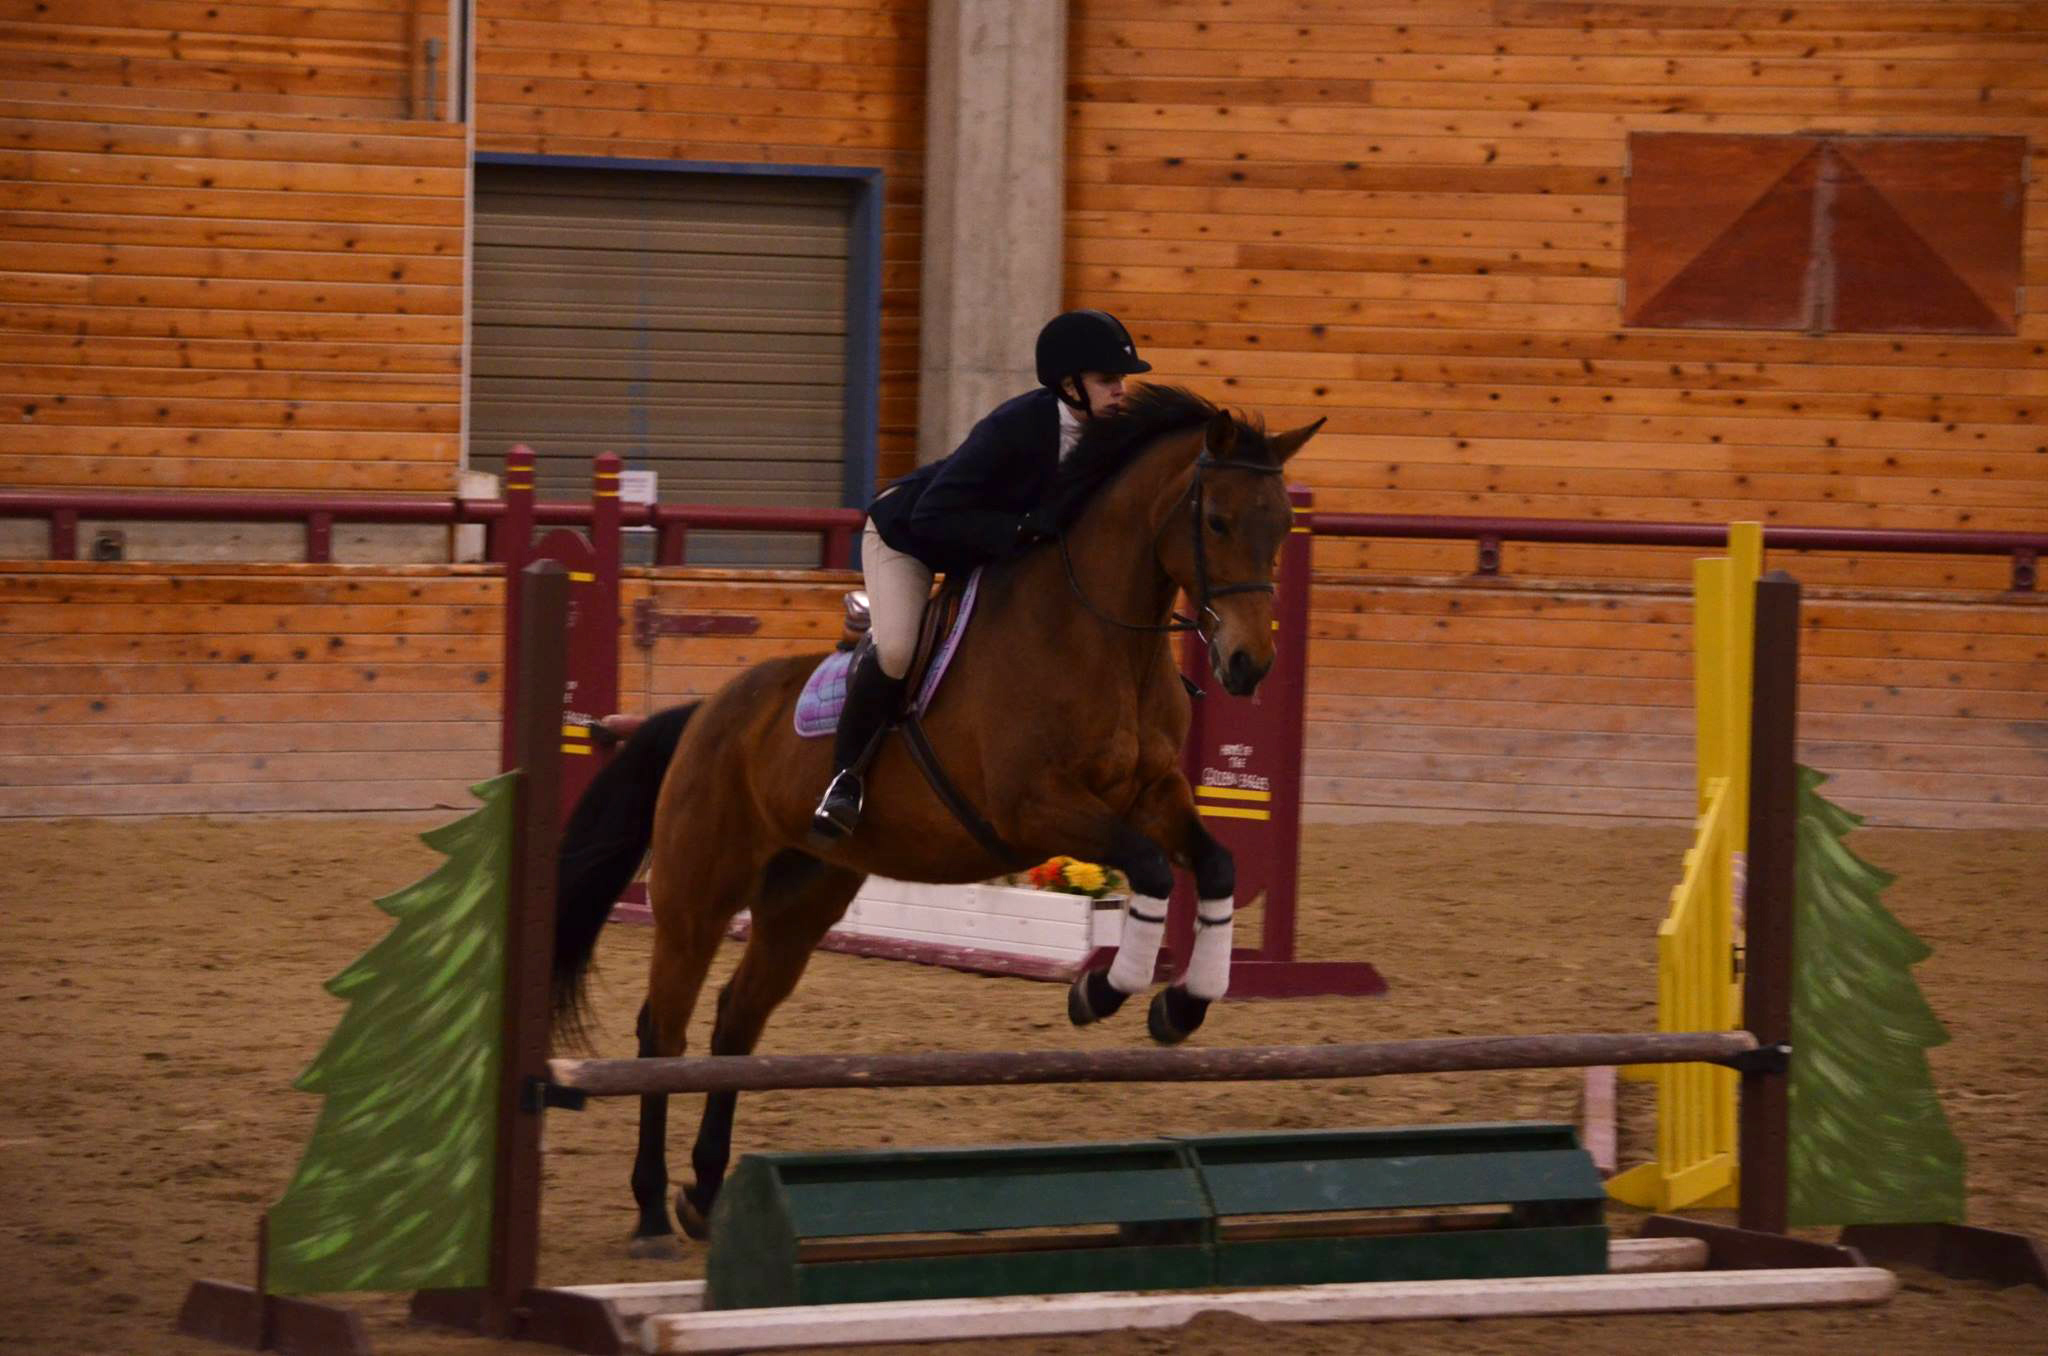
[[1034, 528]]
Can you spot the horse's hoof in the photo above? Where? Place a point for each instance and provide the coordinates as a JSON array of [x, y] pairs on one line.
[[1092, 997], [1174, 1015], [695, 1219], [655, 1247]]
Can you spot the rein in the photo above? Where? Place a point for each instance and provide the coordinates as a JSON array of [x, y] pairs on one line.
[[1206, 594]]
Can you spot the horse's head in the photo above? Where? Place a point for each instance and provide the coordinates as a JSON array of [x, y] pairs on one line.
[[1222, 543]]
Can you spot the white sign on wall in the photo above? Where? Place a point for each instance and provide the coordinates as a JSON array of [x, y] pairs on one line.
[[637, 487]]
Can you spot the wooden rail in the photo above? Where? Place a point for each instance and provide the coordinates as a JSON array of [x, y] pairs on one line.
[[943, 1069]]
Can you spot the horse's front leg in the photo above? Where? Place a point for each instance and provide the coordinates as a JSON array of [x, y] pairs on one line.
[[1167, 813], [1071, 820], [1098, 993]]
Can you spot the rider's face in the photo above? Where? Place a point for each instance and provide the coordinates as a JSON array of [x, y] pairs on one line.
[[1103, 392]]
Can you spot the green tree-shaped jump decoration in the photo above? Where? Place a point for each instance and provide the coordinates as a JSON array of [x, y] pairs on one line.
[[395, 1189], [1869, 1141]]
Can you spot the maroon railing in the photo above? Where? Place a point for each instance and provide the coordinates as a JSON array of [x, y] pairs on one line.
[[2025, 548], [835, 528], [64, 510]]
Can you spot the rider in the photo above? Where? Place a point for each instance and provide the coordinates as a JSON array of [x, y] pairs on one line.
[[984, 502]]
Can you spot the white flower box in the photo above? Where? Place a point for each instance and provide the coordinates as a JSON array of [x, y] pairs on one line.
[[987, 928]]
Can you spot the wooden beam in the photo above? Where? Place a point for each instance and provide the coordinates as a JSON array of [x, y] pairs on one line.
[[634, 1077], [1044, 1315]]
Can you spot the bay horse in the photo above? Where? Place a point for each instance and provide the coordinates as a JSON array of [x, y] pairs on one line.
[[1061, 720]]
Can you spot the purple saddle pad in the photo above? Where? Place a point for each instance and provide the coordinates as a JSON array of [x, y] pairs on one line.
[[824, 694]]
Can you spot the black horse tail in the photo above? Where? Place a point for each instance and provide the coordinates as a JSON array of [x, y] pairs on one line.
[[606, 839]]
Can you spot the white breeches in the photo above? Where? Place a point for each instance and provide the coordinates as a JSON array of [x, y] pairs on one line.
[[898, 586]]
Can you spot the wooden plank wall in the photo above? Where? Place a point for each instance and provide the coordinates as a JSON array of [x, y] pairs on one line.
[[1543, 699], [356, 58], [133, 689], [233, 689], [227, 689], [211, 301], [1430, 704], [1407, 216], [827, 82]]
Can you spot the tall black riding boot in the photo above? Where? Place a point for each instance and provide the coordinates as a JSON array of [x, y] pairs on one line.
[[871, 698]]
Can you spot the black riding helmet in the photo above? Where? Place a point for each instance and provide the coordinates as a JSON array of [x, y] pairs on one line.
[[1085, 341]]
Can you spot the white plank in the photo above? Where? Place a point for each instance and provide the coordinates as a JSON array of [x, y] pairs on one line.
[[1006, 901], [1021, 949], [1049, 1315], [1627, 1256], [642, 1298], [1597, 1131], [994, 932]]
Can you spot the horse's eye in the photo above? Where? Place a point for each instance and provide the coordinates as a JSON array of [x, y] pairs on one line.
[[1218, 524]]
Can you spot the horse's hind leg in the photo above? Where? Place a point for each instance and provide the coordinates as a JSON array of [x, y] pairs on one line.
[[800, 899], [690, 921]]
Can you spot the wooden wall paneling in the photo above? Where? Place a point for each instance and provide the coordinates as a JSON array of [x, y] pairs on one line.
[[158, 322], [428, 476], [1251, 155], [226, 355], [283, 265], [43, 128], [176, 412], [228, 689], [1502, 699], [1917, 19], [73, 380], [421, 245], [1109, 56], [266, 176], [1982, 576], [173, 82], [1794, 105], [1614, 375], [202, 201], [187, 264], [363, 58], [754, 35], [1668, 495]]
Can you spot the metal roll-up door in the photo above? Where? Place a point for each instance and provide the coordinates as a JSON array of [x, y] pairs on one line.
[[693, 323]]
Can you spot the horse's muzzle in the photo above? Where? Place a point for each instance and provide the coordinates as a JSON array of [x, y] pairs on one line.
[[1241, 673]]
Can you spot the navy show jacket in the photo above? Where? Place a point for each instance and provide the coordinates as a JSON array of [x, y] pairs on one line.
[[964, 510]]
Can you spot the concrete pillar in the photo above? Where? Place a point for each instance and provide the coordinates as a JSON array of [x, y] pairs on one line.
[[994, 197]]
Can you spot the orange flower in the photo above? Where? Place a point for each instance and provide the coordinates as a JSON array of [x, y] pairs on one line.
[[1046, 875]]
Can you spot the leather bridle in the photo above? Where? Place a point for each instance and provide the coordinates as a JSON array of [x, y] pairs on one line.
[[1205, 593]]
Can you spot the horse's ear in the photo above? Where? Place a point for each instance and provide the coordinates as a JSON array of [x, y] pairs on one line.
[[1219, 438], [1285, 445]]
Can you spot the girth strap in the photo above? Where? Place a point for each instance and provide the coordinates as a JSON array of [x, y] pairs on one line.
[[927, 760]]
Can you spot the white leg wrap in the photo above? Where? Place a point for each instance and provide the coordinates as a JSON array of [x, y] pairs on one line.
[[1137, 950], [1208, 974]]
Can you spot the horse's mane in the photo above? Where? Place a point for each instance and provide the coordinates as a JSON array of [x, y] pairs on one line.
[[1149, 413]]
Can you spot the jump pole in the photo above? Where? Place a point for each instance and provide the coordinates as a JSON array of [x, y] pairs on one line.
[[1245, 1064]]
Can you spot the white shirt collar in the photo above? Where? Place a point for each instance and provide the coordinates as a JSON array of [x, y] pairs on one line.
[[1070, 428]]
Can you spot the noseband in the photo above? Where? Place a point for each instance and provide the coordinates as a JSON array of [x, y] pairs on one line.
[[1206, 594]]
